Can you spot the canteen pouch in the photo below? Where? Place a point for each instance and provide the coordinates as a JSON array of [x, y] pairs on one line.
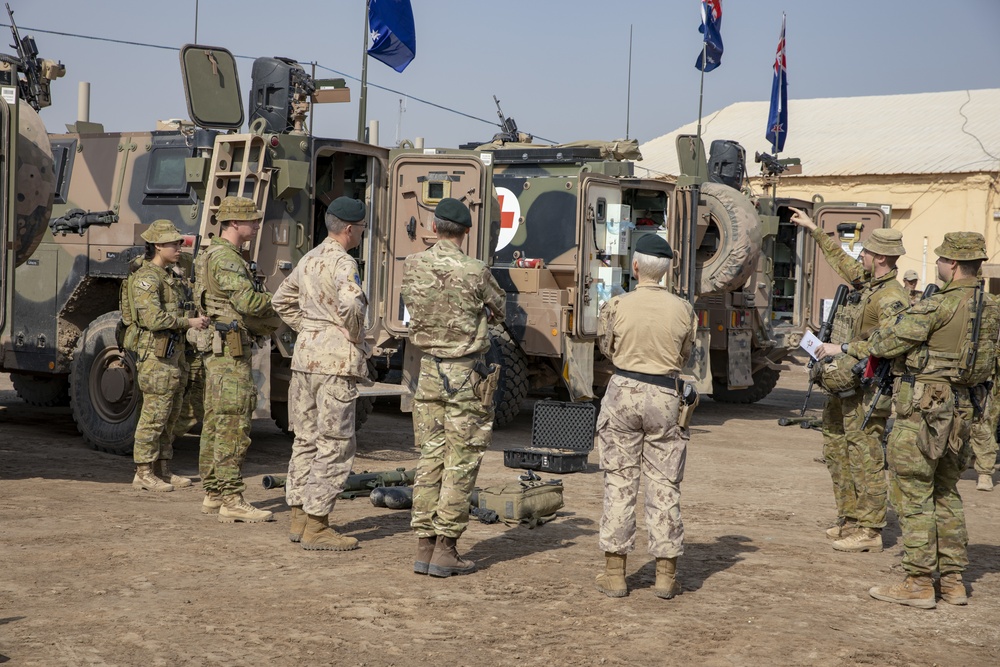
[[532, 503], [200, 339], [487, 385]]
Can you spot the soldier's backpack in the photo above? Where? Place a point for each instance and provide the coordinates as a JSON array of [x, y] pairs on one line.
[[127, 331], [532, 502]]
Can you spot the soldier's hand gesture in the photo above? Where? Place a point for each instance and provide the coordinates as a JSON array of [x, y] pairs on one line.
[[200, 322], [802, 219]]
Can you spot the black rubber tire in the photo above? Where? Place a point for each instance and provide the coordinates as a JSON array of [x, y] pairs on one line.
[[41, 390], [764, 382], [513, 385], [103, 392], [740, 240]]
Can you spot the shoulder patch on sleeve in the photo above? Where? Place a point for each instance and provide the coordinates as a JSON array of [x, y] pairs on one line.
[[144, 285]]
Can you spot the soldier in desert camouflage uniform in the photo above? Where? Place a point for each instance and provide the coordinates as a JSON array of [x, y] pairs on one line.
[[648, 335], [226, 291], [156, 297], [938, 393], [854, 455], [910, 279], [451, 298], [323, 301]]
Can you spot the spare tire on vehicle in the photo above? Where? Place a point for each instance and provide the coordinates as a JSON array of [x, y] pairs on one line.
[[728, 253]]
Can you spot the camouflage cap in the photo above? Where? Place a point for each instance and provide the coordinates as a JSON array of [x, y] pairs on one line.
[[911, 275], [886, 242], [452, 210], [161, 231], [237, 208], [962, 246], [654, 246], [347, 209]]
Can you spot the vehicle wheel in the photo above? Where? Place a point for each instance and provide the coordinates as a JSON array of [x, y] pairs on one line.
[[728, 254], [103, 392], [40, 390], [764, 382], [513, 385]]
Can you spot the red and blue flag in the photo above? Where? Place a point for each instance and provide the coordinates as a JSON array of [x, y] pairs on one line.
[[777, 117], [711, 27]]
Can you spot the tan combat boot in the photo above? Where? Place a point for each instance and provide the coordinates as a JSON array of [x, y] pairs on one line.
[[666, 585], [298, 524], [162, 468], [985, 483], [318, 536], [952, 588], [145, 479], [235, 508], [211, 503], [612, 581], [862, 539], [915, 591], [841, 529], [446, 561], [425, 552]]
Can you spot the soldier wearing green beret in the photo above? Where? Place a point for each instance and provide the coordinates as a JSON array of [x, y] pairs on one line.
[[240, 310], [156, 302], [322, 300], [452, 299], [648, 334], [945, 347], [854, 454]]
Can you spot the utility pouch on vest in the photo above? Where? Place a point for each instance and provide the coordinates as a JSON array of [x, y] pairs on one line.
[[529, 502], [161, 344], [234, 342], [487, 385], [216, 343]]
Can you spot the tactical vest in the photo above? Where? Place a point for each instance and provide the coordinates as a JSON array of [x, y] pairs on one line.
[[848, 316], [214, 301], [967, 363]]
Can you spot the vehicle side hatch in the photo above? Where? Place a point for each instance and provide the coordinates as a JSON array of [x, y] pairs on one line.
[[212, 86]]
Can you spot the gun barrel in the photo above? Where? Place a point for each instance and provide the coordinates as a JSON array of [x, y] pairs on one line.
[[273, 482]]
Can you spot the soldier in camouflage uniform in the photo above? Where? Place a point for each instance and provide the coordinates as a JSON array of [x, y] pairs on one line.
[[648, 335], [226, 291], [323, 301], [939, 391], [854, 455], [910, 279], [983, 437], [156, 298], [198, 343], [451, 299]]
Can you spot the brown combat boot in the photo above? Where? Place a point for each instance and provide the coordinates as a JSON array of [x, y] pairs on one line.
[[425, 551], [612, 581], [235, 508], [318, 536], [841, 529], [211, 503], [162, 468], [915, 591], [953, 589], [862, 539], [298, 524], [666, 585], [985, 483], [145, 479], [446, 561]]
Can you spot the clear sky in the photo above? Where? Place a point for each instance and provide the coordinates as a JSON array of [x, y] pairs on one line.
[[559, 67]]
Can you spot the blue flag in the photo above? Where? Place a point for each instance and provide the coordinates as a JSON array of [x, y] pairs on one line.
[[394, 40], [711, 27], [777, 117]]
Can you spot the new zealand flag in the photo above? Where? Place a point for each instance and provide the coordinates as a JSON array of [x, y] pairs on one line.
[[711, 27], [777, 117], [394, 40]]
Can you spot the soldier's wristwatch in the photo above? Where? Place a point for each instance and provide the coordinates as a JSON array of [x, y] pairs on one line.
[[843, 348]]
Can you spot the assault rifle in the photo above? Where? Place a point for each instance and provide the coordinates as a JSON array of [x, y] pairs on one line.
[[825, 331], [77, 220], [882, 375], [970, 358]]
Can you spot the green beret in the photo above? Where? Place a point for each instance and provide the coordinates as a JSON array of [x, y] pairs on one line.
[[962, 246], [654, 246], [161, 231], [453, 210], [888, 242], [347, 209]]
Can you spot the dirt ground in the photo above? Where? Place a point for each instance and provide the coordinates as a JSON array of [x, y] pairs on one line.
[[95, 573]]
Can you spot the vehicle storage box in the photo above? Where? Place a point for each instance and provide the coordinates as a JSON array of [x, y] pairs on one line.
[[562, 435]]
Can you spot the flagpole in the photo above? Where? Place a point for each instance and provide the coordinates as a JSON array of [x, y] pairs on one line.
[[628, 94], [701, 99], [363, 98]]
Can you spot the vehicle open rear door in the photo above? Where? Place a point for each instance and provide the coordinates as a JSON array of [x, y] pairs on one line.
[[7, 142]]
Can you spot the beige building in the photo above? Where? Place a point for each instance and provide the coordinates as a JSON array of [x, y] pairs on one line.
[[933, 157]]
